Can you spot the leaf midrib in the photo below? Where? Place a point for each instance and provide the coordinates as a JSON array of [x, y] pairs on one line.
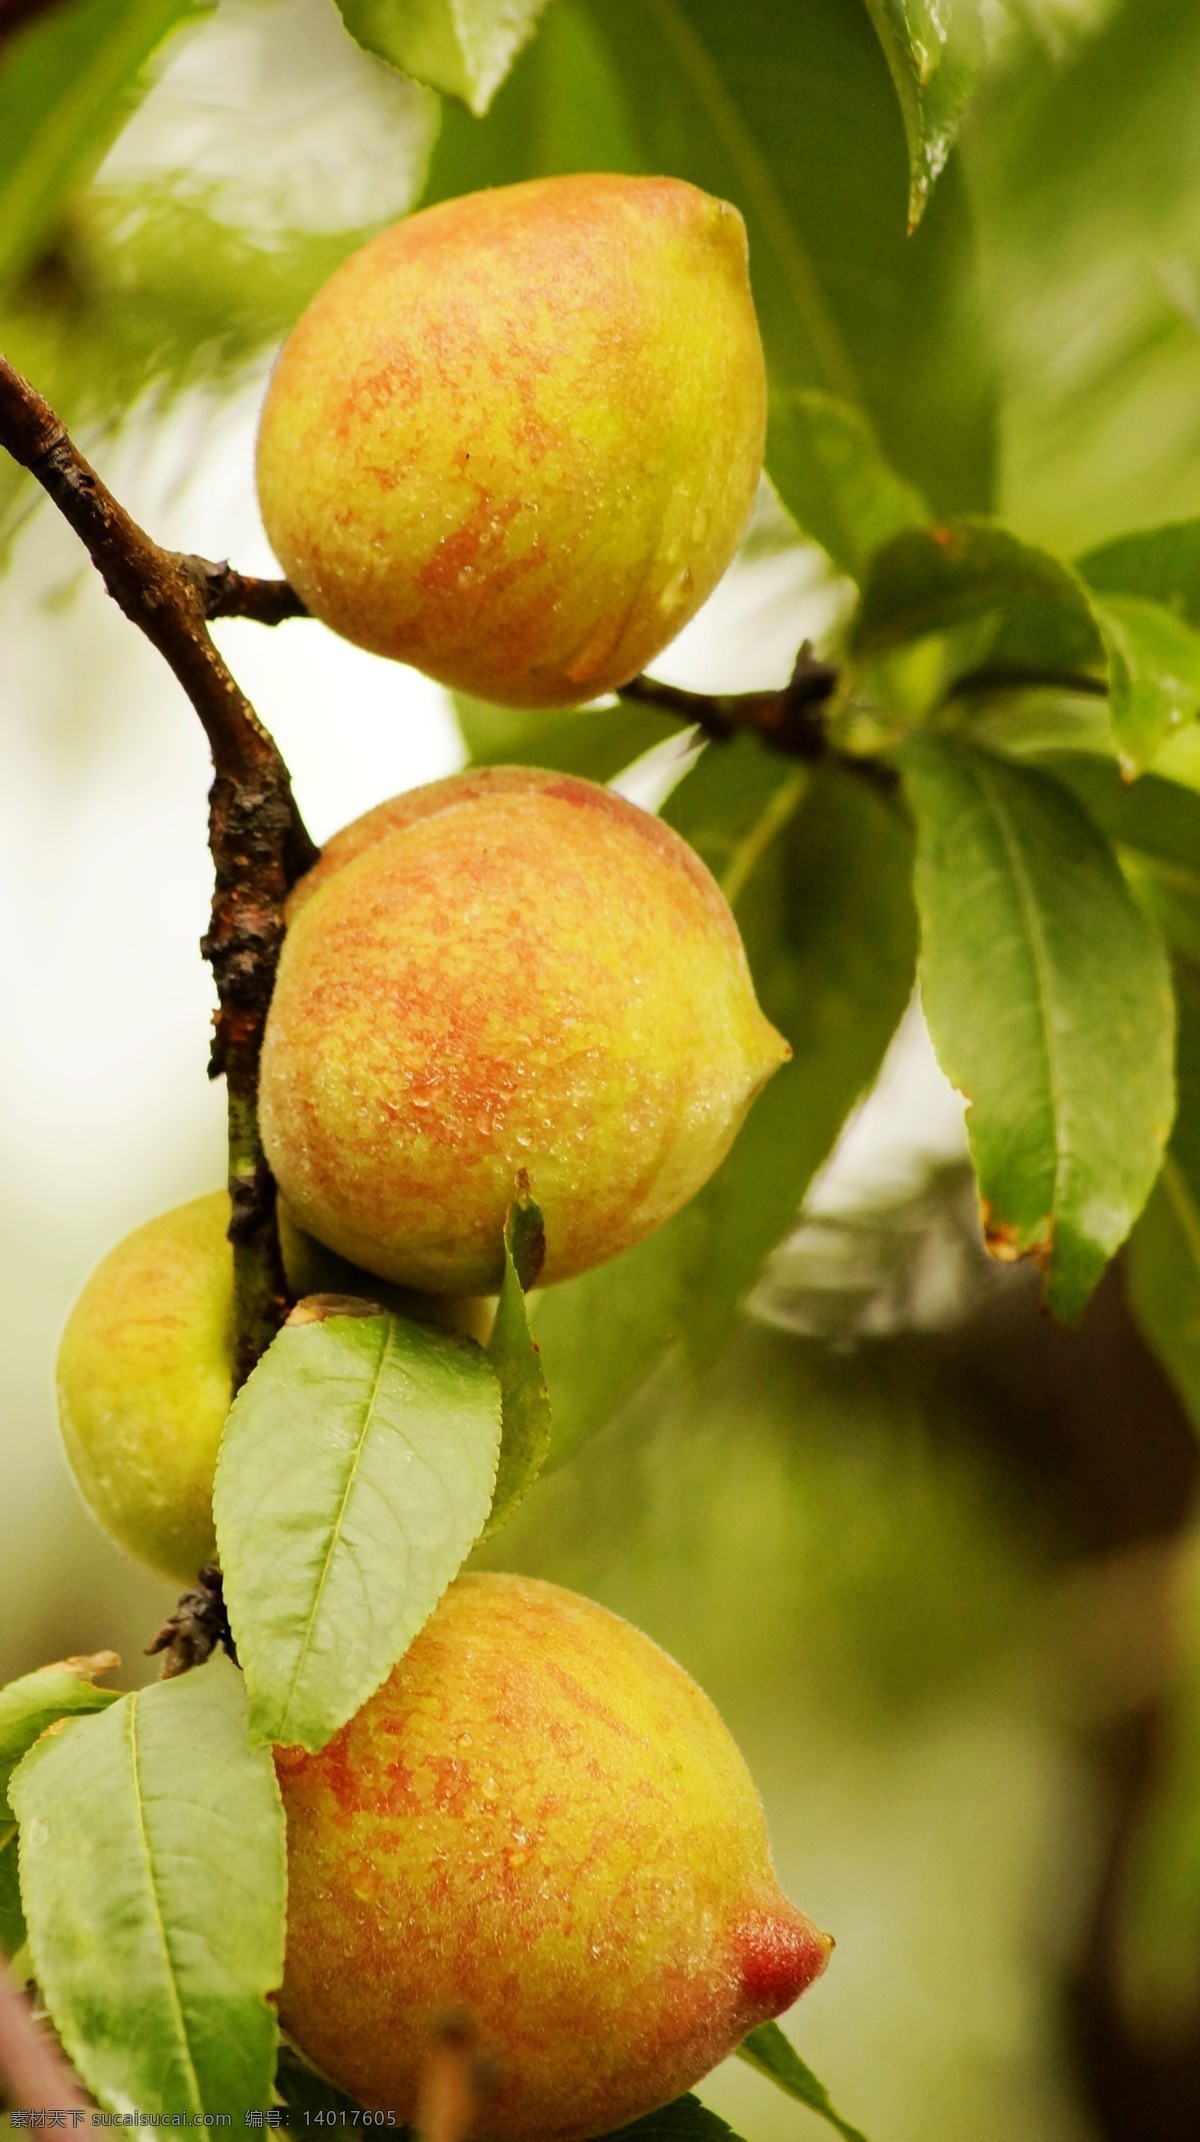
[[760, 188], [752, 846], [1039, 955], [159, 1921], [336, 1527]]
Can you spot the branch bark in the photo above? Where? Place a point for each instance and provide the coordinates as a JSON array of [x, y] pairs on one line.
[[788, 720], [258, 839]]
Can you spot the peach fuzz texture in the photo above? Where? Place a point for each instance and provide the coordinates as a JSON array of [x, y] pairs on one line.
[[145, 1374], [539, 1817], [509, 976], [514, 440]]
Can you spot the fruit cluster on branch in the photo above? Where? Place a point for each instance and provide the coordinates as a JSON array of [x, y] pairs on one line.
[[516, 441]]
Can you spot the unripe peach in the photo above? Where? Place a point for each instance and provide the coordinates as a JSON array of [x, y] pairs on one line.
[[514, 440], [507, 977], [541, 1819], [145, 1376]]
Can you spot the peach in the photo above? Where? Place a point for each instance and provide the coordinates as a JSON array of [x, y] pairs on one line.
[[541, 1819], [515, 440], [510, 977], [145, 1376]]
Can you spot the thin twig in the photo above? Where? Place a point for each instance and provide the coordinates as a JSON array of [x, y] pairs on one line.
[[229, 594], [787, 719], [258, 839], [34, 2076]]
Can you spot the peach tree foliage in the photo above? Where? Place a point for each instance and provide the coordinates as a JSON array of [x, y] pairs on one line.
[[975, 800]]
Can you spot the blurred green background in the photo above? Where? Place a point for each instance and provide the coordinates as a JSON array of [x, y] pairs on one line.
[[921, 1549]]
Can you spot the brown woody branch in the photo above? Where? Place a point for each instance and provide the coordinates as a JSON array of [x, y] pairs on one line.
[[788, 719], [34, 2076], [229, 594], [258, 839]]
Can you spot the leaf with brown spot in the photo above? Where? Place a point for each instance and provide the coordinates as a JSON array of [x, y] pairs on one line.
[[1049, 999]]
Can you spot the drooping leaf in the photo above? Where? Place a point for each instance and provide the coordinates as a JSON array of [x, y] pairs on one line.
[[1049, 1001], [513, 1352], [817, 868], [818, 872], [848, 304], [1164, 1255], [462, 47], [1161, 565], [66, 84], [1154, 674], [829, 472], [934, 53], [27, 1707], [774, 2055], [356, 1471], [684, 2120], [931, 580], [153, 1872], [595, 742]]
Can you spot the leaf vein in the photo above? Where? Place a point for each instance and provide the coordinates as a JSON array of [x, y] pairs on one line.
[[160, 1922], [336, 1527]]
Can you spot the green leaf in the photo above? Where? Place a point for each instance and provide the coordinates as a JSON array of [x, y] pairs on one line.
[[596, 742], [825, 464], [1160, 564], [561, 109], [931, 580], [847, 302], [1154, 674], [934, 52], [153, 1873], [602, 1335], [298, 2085], [66, 86], [462, 47], [356, 1471], [1049, 1000], [817, 867], [1155, 825], [818, 870], [1164, 1255], [27, 1707], [774, 2055], [513, 1352], [686, 2120]]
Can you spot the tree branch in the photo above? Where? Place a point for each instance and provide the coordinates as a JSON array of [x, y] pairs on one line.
[[785, 719], [257, 836], [789, 720], [225, 593], [34, 2076]]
